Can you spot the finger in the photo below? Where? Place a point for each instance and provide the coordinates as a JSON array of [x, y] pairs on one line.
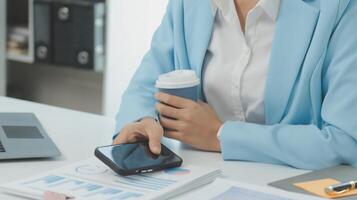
[[120, 138], [174, 101], [175, 135], [125, 138], [136, 137], [170, 123], [155, 135], [168, 111], [129, 133]]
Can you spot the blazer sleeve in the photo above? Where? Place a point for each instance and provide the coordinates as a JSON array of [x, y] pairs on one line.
[[138, 100], [310, 146]]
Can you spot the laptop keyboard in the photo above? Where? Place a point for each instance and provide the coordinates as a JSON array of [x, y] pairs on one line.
[[2, 149]]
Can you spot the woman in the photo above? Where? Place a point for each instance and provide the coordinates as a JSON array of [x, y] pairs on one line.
[[278, 79]]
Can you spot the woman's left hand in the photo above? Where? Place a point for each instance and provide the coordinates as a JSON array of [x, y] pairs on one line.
[[190, 122]]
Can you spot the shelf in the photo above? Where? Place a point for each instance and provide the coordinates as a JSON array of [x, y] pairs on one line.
[[20, 58], [23, 16]]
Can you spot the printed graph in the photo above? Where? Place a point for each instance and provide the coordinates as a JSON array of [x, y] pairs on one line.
[[177, 171], [91, 169], [145, 181], [79, 188]]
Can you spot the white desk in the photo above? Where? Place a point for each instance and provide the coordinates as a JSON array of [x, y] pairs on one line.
[[78, 133]]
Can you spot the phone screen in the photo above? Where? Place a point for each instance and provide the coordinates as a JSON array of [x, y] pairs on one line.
[[128, 157]]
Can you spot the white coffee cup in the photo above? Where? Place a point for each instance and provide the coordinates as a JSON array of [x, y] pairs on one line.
[[182, 83]]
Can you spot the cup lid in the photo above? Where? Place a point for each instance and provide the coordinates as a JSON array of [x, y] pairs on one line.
[[177, 79]]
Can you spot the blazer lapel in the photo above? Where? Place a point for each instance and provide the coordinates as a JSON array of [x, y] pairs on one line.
[[294, 30], [199, 19]]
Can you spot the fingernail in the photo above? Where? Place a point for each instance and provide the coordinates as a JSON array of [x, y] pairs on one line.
[[156, 149]]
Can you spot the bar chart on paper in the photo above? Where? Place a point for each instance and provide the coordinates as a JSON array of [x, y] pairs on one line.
[[79, 188], [92, 180]]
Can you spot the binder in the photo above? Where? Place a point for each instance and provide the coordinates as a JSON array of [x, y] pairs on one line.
[[78, 38], [70, 33], [43, 31]]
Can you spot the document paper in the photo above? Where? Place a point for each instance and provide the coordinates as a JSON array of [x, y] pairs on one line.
[[91, 180], [222, 189]]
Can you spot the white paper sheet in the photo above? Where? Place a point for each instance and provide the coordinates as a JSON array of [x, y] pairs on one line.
[[222, 189], [92, 180]]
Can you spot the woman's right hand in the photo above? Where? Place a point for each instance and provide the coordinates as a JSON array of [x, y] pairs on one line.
[[145, 129]]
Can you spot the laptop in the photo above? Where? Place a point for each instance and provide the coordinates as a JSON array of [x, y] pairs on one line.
[[22, 136]]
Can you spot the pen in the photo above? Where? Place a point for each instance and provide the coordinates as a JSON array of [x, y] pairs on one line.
[[341, 188]]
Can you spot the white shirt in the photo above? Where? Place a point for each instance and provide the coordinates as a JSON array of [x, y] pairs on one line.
[[236, 64]]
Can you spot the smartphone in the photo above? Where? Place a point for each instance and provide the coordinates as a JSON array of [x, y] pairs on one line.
[[135, 158]]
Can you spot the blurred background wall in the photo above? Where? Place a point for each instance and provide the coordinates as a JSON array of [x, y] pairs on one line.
[[2, 47], [131, 24], [53, 70]]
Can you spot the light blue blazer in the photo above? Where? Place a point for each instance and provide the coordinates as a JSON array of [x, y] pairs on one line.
[[311, 88]]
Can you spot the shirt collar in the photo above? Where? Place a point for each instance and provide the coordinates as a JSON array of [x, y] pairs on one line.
[[222, 5], [271, 7]]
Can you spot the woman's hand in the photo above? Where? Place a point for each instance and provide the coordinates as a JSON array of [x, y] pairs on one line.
[[190, 122], [145, 129]]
